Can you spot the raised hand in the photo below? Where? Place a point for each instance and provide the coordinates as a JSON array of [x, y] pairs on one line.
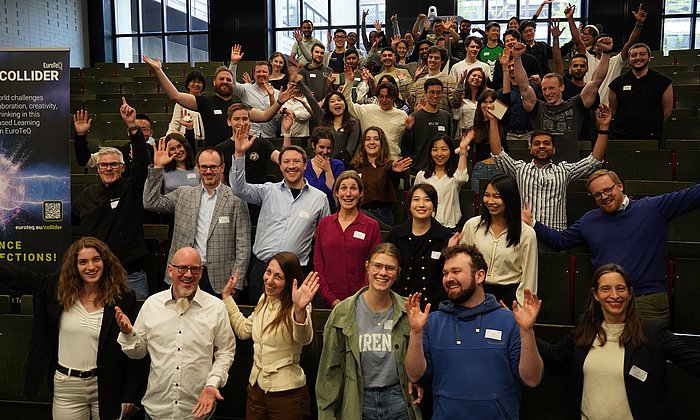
[[555, 29], [377, 25], [155, 64], [449, 22], [536, 79], [418, 72], [322, 163], [304, 294], [401, 164], [123, 321], [526, 314], [349, 74], [331, 79], [504, 58], [605, 44], [519, 49], [297, 35], [394, 17], [526, 215], [236, 54], [455, 239], [287, 120], [426, 23], [417, 319], [410, 122], [463, 77], [161, 157], [246, 78], [241, 140], [466, 139], [229, 288], [185, 119], [127, 113], [603, 117], [269, 89], [420, 104], [206, 402], [569, 11], [395, 40], [81, 122], [366, 74], [286, 94], [640, 15], [364, 14]]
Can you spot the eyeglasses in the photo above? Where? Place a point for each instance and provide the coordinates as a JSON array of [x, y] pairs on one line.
[[205, 168], [112, 165], [433, 92], [182, 269], [377, 267], [604, 192], [620, 289]]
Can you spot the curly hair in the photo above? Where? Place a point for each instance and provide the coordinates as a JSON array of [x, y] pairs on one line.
[[360, 159], [111, 284], [189, 158], [289, 263]]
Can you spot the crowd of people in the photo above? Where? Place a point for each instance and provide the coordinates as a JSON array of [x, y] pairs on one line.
[[444, 296]]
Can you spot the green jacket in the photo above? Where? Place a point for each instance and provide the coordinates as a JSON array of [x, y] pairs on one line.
[[339, 386]]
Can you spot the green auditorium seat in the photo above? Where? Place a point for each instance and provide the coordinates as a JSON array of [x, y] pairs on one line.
[[98, 87], [688, 165], [640, 164], [668, 68], [642, 188], [176, 69], [689, 100], [684, 112], [688, 57], [137, 69], [684, 77], [682, 128], [676, 144], [577, 204], [553, 286], [583, 274], [633, 145], [686, 296], [685, 228], [5, 306], [150, 86], [659, 59]]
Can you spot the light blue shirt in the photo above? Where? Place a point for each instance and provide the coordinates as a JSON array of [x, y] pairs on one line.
[[207, 203], [285, 223], [256, 97]]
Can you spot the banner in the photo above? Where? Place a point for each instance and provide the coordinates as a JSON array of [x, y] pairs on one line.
[[34, 158]]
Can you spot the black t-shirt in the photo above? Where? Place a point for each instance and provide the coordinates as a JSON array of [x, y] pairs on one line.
[[564, 122], [255, 159], [639, 112], [212, 110], [588, 128], [337, 62]]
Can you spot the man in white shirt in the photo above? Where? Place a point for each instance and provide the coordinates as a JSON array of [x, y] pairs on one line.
[[182, 329]]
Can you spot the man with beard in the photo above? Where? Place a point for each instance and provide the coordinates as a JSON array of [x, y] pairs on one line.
[[388, 60], [207, 216], [641, 99], [187, 334], [541, 182], [477, 353], [316, 74], [452, 93], [289, 214], [300, 55], [211, 108]]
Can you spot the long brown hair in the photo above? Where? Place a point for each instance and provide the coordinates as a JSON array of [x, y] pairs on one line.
[[289, 263], [112, 283], [591, 325], [481, 125], [189, 159], [360, 159]]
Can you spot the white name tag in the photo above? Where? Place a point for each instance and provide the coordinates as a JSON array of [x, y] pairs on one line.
[[114, 204], [312, 75], [389, 324], [486, 53], [304, 214], [493, 334], [627, 87], [223, 219], [638, 373], [435, 255], [191, 176], [358, 235], [441, 128], [217, 112], [357, 79]]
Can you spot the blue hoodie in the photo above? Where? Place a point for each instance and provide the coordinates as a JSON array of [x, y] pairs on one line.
[[473, 356]]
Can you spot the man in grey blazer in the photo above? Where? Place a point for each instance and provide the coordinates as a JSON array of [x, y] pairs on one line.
[[208, 217]]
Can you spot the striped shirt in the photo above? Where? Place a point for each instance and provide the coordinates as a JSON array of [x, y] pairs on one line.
[[545, 188]]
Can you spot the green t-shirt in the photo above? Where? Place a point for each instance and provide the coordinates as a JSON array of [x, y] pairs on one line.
[[490, 55]]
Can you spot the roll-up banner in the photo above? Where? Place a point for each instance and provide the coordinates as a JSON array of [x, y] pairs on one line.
[[34, 159]]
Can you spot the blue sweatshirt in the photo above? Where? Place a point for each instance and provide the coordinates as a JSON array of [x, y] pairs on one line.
[[634, 238], [473, 355]]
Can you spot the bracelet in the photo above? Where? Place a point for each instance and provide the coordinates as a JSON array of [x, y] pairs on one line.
[[603, 131], [133, 128], [280, 103]]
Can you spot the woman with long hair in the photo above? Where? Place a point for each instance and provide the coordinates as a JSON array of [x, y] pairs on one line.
[[74, 335], [343, 241], [321, 169], [619, 358], [447, 174], [484, 165], [420, 240], [185, 121], [475, 84], [359, 375], [508, 244], [180, 169], [380, 174], [279, 326], [280, 70]]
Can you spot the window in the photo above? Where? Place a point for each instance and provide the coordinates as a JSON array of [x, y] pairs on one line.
[[173, 30], [680, 25]]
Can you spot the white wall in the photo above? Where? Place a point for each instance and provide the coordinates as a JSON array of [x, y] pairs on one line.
[[46, 23]]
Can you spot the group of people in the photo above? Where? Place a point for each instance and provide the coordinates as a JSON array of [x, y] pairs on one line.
[[409, 314]]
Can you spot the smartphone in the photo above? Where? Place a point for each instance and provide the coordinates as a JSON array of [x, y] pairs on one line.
[[499, 109]]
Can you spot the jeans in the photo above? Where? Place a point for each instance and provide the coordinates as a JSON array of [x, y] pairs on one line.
[[483, 171], [138, 282], [74, 398], [386, 403], [382, 214]]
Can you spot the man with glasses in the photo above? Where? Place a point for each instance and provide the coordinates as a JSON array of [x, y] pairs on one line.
[[112, 209], [208, 217], [452, 93], [186, 333], [335, 59], [631, 233]]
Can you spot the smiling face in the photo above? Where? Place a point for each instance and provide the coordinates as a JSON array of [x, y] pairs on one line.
[[211, 169], [440, 153], [476, 78], [352, 39], [494, 33], [459, 281], [274, 280], [176, 149], [195, 87], [387, 59], [317, 54], [239, 118], [588, 36], [639, 58], [382, 272], [401, 49], [306, 29], [613, 295], [528, 35], [422, 207], [223, 84], [185, 285], [608, 195], [433, 95], [109, 168], [513, 24], [386, 101], [493, 202], [352, 60], [552, 90], [348, 194], [473, 49], [578, 67], [292, 167], [277, 63], [336, 105], [423, 51], [90, 265], [510, 41], [261, 74], [434, 61], [542, 148], [373, 143], [323, 148], [486, 105], [465, 26]]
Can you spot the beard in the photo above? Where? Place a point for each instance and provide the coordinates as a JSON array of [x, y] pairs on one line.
[[463, 295]]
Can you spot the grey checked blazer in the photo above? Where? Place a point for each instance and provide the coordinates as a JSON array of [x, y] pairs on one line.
[[228, 243]]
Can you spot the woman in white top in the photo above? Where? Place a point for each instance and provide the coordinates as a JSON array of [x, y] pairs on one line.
[[509, 245], [280, 326], [302, 113], [475, 80], [447, 174], [185, 121]]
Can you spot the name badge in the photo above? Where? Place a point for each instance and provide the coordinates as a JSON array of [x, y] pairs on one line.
[[191, 176], [435, 255], [223, 219], [388, 324], [359, 235], [304, 214], [486, 53], [493, 334], [217, 112], [638, 373], [114, 203], [357, 79], [627, 87], [312, 75], [441, 128]]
